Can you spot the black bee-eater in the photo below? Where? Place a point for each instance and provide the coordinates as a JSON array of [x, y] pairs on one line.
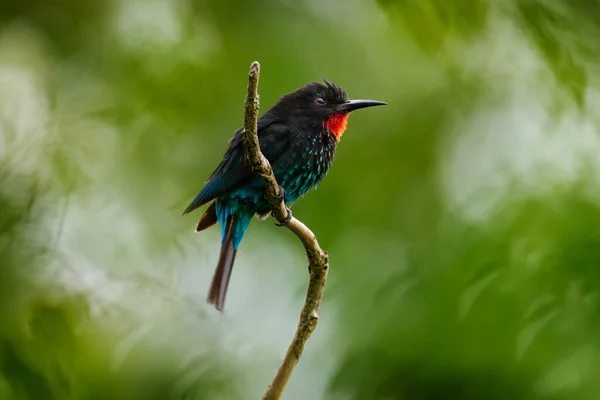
[[299, 136]]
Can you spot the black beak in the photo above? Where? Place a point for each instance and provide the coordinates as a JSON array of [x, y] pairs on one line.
[[357, 104]]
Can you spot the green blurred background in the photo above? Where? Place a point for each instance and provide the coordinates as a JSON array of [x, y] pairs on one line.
[[462, 220]]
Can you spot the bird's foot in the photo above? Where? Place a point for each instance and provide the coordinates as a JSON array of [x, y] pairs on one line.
[[287, 219], [281, 196]]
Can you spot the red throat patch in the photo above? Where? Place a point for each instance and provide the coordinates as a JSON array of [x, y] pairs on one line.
[[336, 124]]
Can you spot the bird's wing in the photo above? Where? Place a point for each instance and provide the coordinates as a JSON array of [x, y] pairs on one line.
[[234, 171]]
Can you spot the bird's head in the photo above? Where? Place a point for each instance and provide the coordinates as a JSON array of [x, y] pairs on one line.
[[326, 104]]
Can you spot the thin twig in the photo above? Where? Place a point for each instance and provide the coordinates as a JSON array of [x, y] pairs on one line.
[[318, 261]]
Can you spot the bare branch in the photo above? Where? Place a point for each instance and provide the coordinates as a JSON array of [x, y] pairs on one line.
[[318, 261]]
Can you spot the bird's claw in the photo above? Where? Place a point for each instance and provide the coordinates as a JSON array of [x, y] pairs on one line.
[[281, 195], [287, 219]]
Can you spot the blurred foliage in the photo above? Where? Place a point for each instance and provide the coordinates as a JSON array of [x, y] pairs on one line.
[[564, 32], [461, 220], [429, 22], [525, 299]]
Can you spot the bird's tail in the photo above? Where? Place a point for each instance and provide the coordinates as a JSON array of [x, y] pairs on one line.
[[209, 218], [218, 287]]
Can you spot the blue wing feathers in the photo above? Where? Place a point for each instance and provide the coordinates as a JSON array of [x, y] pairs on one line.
[[234, 171], [216, 186]]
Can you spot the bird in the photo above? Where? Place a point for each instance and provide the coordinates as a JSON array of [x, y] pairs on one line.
[[298, 135]]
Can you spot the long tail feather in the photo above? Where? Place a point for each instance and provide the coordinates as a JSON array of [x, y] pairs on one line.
[[218, 287]]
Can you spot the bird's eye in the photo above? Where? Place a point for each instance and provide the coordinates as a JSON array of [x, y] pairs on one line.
[[320, 101]]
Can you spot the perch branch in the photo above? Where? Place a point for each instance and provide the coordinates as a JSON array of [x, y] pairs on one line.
[[318, 261]]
